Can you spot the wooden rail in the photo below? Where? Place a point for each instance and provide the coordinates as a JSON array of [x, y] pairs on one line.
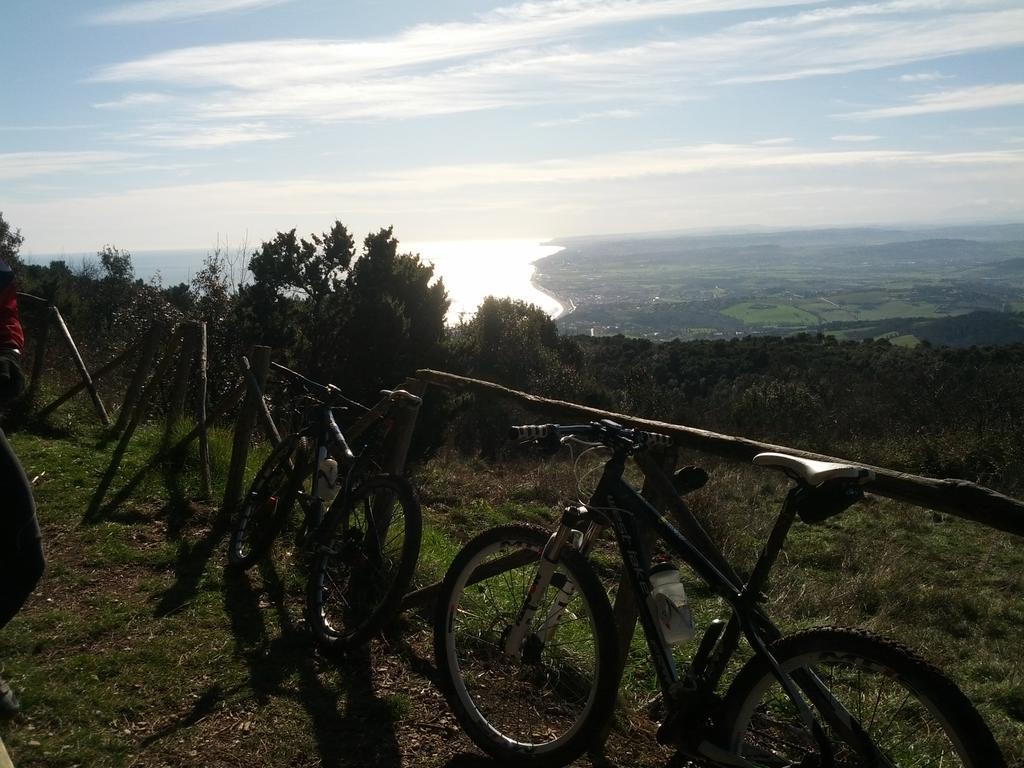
[[956, 497], [76, 357]]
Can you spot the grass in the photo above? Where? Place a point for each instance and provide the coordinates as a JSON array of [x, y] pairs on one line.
[[139, 649], [769, 313]]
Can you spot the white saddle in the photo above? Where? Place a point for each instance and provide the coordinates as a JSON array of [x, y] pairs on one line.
[[814, 472]]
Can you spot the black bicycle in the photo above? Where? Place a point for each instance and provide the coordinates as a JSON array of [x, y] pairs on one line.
[[361, 526], [527, 649]]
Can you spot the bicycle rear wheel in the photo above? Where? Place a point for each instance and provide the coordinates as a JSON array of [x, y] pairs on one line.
[[547, 706], [364, 564], [266, 506], [910, 714]]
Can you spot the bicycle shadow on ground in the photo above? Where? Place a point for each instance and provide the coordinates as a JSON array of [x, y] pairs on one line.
[[350, 722]]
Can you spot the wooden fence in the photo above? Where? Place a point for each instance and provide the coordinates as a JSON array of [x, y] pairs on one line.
[[957, 497], [184, 354]]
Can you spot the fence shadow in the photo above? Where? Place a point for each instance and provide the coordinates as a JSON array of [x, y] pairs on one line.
[[350, 722]]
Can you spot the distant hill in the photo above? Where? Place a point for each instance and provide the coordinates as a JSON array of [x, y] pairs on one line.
[[1008, 268], [854, 280], [803, 237], [974, 329]]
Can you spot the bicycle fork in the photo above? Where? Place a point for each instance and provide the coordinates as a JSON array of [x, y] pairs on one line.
[[547, 575]]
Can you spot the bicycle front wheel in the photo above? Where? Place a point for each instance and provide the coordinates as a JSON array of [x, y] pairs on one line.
[[907, 713], [265, 507], [546, 704], [364, 564]]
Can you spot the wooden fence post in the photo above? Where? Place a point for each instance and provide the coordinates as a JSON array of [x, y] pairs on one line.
[[205, 481], [182, 373], [39, 361], [405, 424], [262, 411], [76, 356], [96, 376], [260, 359], [131, 396]]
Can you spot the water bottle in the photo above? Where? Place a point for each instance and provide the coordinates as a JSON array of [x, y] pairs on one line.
[[669, 605], [327, 481]]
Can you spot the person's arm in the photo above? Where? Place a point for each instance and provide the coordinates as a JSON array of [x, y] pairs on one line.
[[12, 337]]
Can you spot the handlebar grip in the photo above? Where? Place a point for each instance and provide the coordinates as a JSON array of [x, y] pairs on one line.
[[654, 438], [530, 431]]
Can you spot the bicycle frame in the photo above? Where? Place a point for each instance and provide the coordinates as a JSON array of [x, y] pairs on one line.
[[616, 503], [329, 441]]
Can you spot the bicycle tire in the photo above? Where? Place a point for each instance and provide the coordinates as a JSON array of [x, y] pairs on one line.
[[265, 507], [559, 703], [905, 694], [359, 577]]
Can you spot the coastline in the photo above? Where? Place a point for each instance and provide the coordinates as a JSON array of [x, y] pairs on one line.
[[566, 306]]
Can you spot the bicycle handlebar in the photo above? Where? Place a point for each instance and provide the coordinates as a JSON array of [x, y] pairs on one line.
[[326, 392], [306, 382], [605, 431]]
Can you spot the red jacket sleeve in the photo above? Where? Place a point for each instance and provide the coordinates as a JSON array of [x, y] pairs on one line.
[[11, 335]]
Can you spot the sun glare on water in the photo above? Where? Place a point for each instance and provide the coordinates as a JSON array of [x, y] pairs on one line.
[[475, 269]]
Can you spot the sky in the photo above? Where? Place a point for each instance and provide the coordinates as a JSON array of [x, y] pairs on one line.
[[167, 124]]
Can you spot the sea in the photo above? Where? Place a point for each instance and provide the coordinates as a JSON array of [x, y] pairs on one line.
[[471, 269]]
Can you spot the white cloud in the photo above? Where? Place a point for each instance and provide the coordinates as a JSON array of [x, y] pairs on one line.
[[203, 136], [610, 114], [35, 128], [25, 165], [532, 54], [22, 165], [277, 63], [843, 13], [856, 138], [961, 99], [921, 77], [707, 185], [169, 10], [833, 47], [134, 100], [666, 162]]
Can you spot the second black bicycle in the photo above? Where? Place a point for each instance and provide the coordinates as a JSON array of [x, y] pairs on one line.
[[361, 525]]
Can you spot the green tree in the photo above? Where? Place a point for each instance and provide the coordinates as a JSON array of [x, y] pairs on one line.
[[390, 315], [293, 278], [117, 265], [10, 242], [364, 323], [513, 343]]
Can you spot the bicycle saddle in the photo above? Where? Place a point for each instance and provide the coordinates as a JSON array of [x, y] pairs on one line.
[[814, 472]]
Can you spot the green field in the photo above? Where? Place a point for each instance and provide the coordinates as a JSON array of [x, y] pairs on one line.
[[139, 649], [762, 313], [766, 282]]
